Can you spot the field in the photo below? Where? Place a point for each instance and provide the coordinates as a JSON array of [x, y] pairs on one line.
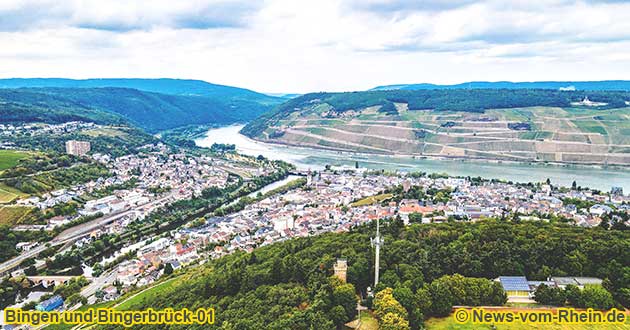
[[14, 215], [371, 200], [448, 323], [8, 194], [534, 134], [133, 300], [105, 131], [10, 158]]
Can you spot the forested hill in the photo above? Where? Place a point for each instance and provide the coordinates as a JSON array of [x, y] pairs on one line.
[[164, 86], [148, 110], [621, 85], [288, 285], [464, 100]]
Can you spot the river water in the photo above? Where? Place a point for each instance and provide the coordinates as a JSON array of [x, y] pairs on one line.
[[309, 158]]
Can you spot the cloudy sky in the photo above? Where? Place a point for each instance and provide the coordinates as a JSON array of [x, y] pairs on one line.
[[331, 45]]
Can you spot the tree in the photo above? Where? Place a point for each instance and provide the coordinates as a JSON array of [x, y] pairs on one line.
[[546, 295], [573, 295], [338, 315], [76, 298], [385, 305], [168, 269], [393, 321], [441, 299], [344, 295], [423, 302], [407, 298], [30, 271], [97, 269], [596, 297]]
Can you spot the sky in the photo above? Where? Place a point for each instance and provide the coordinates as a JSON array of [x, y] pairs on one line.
[[292, 46]]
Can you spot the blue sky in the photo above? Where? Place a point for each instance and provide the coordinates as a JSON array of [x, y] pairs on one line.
[[300, 46]]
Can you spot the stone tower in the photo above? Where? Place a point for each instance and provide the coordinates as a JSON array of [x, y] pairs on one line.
[[341, 269]]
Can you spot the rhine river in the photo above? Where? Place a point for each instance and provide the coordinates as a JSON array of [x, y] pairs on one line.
[[316, 159]]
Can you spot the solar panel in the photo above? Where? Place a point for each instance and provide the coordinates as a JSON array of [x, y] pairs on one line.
[[514, 283]]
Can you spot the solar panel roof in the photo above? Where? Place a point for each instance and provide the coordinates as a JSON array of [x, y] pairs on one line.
[[514, 283]]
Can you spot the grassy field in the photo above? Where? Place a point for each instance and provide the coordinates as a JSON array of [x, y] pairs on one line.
[[371, 200], [14, 215], [133, 300], [448, 323], [8, 194], [105, 131], [10, 158], [368, 322]]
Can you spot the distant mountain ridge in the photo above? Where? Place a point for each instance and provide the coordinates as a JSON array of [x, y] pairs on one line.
[[108, 105], [152, 104], [604, 85], [186, 87]]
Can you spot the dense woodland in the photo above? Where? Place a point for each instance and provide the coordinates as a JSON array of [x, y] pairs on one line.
[[468, 100], [288, 285], [148, 110]]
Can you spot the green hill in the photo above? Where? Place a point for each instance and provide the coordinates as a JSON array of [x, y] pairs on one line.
[[287, 285], [148, 110], [526, 125]]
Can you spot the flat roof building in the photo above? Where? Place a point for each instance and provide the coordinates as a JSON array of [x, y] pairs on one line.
[[50, 304], [515, 286], [77, 148]]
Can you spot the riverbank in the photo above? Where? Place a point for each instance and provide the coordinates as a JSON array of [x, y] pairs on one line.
[[315, 159], [448, 158]]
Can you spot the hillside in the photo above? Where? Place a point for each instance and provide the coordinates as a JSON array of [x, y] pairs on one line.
[[287, 285], [606, 85], [528, 125], [148, 110]]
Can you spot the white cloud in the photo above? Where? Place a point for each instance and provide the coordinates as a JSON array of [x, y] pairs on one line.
[[295, 46]]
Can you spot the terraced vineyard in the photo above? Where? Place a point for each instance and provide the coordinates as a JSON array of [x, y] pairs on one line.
[[580, 135]]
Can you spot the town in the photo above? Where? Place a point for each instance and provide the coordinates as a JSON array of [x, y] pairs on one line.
[[314, 202], [334, 201]]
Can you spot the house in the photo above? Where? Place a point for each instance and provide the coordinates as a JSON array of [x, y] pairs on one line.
[[25, 246], [580, 282], [599, 209], [515, 286], [50, 304]]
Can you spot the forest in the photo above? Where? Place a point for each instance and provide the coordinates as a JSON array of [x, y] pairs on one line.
[[288, 285], [148, 110]]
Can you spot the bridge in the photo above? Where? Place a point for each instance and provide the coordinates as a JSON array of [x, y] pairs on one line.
[[46, 281]]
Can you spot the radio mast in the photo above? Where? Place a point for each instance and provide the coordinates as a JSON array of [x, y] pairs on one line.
[[377, 242]]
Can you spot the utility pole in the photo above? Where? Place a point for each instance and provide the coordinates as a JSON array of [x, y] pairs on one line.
[[377, 242]]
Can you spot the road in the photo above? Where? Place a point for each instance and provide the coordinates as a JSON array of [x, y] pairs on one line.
[[99, 282], [74, 233]]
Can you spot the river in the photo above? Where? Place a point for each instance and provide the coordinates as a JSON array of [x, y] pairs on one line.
[[310, 158]]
